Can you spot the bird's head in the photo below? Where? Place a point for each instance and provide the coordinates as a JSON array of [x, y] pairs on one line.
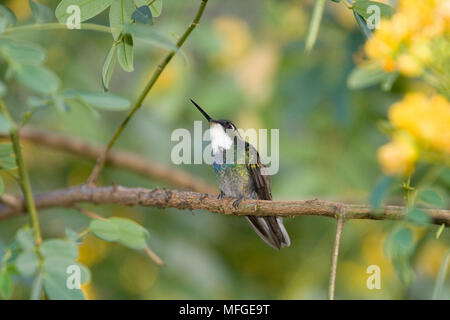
[[222, 132]]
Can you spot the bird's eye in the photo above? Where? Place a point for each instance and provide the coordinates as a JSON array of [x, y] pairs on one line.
[[229, 125]]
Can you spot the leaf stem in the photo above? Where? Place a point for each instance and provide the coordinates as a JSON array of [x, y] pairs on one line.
[[102, 158], [23, 175]]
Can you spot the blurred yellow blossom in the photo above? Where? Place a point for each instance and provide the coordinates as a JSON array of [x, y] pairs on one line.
[[421, 125], [92, 250], [88, 291], [236, 39], [399, 156], [404, 42], [21, 8], [254, 73], [427, 119]]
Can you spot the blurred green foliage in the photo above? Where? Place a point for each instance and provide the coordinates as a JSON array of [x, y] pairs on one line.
[[246, 62]]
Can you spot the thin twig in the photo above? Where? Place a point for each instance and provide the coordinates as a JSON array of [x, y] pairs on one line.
[[102, 158], [153, 256], [193, 200], [143, 166], [334, 258], [89, 214], [23, 174]]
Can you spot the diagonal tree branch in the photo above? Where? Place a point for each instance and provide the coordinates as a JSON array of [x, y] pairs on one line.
[[102, 158], [122, 159], [193, 200]]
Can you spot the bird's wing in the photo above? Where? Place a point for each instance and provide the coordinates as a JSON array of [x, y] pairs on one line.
[[270, 229], [254, 166]]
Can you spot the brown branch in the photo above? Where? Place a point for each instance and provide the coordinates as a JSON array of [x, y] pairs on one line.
[[334, 258], [122, 159], [193, 200]]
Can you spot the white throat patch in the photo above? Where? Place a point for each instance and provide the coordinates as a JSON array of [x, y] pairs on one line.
[[219, 138]]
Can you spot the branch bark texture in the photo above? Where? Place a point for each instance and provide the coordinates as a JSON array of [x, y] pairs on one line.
[[162, 198]]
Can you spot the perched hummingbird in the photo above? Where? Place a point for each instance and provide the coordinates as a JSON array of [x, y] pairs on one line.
[[243, 179]]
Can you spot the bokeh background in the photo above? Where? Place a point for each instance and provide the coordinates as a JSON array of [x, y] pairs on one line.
[[245, 62]]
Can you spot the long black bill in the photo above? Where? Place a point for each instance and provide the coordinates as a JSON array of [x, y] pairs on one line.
[[202, 111]]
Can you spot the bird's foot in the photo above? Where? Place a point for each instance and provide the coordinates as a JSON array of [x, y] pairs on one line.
[[237, 202], [221, 195]]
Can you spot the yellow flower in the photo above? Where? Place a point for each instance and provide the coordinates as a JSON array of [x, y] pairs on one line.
[[409, 65], [425, 118], [404, 42], [254, 73], [398, 157], [236, 39]]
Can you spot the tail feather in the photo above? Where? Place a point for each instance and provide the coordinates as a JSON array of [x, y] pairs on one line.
[[271, 230]]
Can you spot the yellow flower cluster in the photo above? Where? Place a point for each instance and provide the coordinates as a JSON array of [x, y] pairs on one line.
[[399, 156], [422, 124], [403, 43]]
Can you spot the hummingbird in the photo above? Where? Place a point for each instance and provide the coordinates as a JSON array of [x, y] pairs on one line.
[[240, 177]]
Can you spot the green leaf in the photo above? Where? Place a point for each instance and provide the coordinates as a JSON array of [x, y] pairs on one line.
[[25, 239], [37, 102], [146, 34], [143, 15], [124, 231], [55, 287], [59, 257], [7, 158], [418, 217], [109, 63], [125, 52], [403, 242], [2, 186], [362, 25], [72, 235], [22, 52], [58, 248], [6, 285], [40, 12], [6, 150], [361, 6], [388, 81], [381, 191], [88, 8], [100, 100], [27, 263], [120, 14], [7, 18], [365, 76], [58, 101], [36, 288], [399, 246], [314, 24], [131, 234], [432, 197], [8, 163], [38, 78], [60, 265], [156, 8], [105, 229]]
